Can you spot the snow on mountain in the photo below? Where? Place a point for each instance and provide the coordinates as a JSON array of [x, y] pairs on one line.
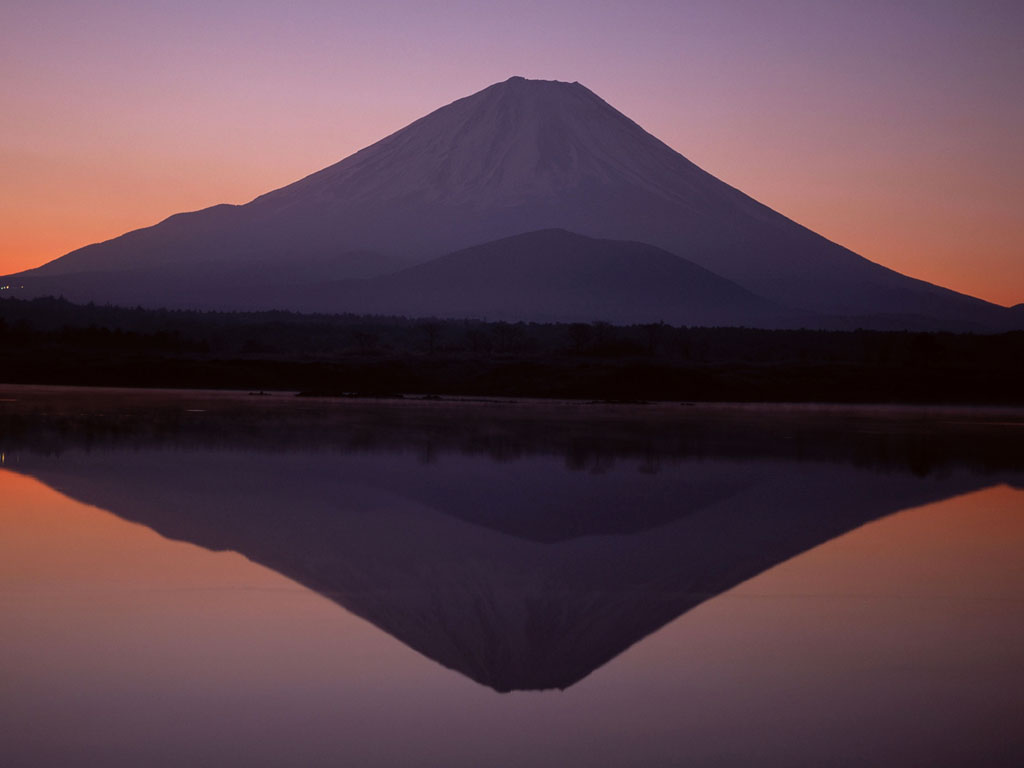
[[517, 157]]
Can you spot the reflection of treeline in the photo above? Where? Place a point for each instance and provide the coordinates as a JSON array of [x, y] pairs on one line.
[[54, 341], [590, 437]]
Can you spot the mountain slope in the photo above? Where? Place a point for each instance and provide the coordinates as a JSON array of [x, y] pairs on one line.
[[554, 275], [516, 157]]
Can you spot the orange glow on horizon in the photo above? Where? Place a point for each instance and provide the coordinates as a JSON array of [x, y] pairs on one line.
[[891, 130], [944, 246]]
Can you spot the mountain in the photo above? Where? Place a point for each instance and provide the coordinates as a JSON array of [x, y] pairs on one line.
[[519, 156], [554, 275]]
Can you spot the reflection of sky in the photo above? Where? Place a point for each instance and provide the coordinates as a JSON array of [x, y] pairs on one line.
[[902, 635], [892, 128]]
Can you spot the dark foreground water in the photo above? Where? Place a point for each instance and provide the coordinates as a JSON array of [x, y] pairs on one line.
[[224, 580]]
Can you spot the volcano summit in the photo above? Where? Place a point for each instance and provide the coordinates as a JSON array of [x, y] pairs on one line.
[[519, 157]]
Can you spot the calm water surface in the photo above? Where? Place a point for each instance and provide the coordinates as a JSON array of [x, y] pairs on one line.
[[216, 579]]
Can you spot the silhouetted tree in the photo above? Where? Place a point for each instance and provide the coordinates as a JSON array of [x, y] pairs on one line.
[[604, 333], [653, 333], [431, 329], [366, 341], [504, 334], [478, 342], [580, 335]]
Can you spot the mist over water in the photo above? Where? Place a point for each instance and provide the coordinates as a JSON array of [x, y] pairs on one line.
[[244, 580]]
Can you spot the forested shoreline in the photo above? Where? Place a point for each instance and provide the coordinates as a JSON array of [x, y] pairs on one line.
[[52, 341]]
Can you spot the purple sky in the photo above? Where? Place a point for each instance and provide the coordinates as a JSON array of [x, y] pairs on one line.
[[893, 128]]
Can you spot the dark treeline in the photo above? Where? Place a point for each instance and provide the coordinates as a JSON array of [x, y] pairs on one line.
[[52, 341]]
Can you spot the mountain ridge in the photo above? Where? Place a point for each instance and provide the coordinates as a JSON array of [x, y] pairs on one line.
[[554, 275], [518, 156]]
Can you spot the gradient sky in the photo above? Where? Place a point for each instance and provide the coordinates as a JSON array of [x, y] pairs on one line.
[[893, 128]]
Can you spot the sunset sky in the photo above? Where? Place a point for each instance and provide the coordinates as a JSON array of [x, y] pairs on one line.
[[893, 128]]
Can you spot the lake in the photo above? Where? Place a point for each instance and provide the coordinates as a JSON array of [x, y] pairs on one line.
[[204, 578]]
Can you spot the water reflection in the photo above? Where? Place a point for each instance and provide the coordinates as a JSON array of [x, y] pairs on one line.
[[522, 546]]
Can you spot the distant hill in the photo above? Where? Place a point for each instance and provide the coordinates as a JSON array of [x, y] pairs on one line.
[[550, 276], [517, 157]]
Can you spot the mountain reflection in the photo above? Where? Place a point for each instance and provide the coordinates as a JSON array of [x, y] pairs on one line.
[[525, 548]]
